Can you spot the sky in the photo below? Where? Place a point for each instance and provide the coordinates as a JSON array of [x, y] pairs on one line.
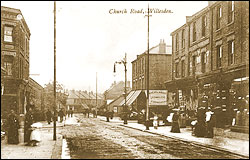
[[90, 38]]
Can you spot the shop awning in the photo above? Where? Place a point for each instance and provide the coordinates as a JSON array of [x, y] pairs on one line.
[[133, 98], [127, 98]]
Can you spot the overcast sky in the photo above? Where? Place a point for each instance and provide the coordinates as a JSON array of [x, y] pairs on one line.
[[90, 39]]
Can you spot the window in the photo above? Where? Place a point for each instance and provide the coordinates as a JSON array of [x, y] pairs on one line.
[[177, 42], [8, 67], [194, 31], [183, 38], [231, 52], [203, 62], [176, 70], [189, 66], [219, 15], [182, 69], [219, 56], [193, 65], [204, 24], [230, 11], [8, 31]]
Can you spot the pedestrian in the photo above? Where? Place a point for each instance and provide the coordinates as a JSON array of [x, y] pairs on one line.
[[210, 121], [200, 127], [155, 121], [71, 112], [48, 116], [35, 136], [107, 115], [61, 115], [175, 124], [112, 114], [13, 126], [29, 119]]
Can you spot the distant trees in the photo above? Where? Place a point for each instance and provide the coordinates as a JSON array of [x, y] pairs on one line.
[[61, 96]]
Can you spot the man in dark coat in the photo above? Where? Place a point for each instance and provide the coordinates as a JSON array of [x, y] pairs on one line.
[[13, 126], [48, 116], [61, 115], [29, 119]]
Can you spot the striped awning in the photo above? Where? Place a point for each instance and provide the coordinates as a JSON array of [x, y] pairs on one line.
[[131, 97]]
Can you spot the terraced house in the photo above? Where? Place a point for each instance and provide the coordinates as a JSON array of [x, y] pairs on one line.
[[210, 58]]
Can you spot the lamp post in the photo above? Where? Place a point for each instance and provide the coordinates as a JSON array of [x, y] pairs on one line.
[[147, 110], [54, 124], [124, 62]]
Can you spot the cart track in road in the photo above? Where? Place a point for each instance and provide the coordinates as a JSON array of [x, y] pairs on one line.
[[98, 139]]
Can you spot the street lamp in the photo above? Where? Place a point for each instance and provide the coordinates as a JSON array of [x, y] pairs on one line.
[[124, 62]]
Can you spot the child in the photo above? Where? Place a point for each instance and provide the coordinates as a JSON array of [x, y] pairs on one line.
[[35, 136]]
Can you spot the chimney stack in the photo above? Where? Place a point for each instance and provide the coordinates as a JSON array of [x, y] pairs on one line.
[[162, 47]]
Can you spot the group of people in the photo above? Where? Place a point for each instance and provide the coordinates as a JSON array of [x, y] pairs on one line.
[[61, 114], [13, 126], [203, 126]]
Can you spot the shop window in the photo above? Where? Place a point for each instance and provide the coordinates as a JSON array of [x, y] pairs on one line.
[[230, 11], [219, 56], [8, 32], [218, 15], [231, 52]]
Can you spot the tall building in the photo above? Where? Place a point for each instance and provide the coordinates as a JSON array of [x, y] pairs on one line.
[[15, 36], [160, 57], [211, 60]]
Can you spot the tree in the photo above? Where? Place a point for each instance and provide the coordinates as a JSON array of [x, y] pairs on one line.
[[61, 96]]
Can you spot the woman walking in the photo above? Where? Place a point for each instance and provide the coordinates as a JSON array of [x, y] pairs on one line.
[[175, 124]]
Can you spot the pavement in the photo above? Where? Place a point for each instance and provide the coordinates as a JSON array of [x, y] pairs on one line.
[[50, 149], [238, 144], [47, 148]]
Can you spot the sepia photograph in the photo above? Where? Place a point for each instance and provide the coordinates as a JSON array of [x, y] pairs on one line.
[[124, 79]]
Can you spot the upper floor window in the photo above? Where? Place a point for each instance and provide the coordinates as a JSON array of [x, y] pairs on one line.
[[194, 31], [8, 67], [230, 11], [8, 32], [176, 70], [183, 38], [203, 62], [204, 24], [177, 42], [218, 15], [231, 52], [182, 69], [219, 56]]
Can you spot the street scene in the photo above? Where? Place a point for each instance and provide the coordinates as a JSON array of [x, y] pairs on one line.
[[125, 80]]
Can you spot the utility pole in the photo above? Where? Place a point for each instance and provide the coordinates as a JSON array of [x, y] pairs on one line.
[[147, 110], [96, 98], [54, 135]]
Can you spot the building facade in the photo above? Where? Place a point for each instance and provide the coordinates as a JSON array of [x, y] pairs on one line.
[[15, 37], [160, 64], [211, 60]]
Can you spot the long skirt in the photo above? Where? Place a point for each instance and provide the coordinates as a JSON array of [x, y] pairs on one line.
[[27, 132], [13, 135], [200, 130], [175, 127], [35, 135]]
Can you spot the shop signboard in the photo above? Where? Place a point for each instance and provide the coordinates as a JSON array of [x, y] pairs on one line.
[[157, 97]]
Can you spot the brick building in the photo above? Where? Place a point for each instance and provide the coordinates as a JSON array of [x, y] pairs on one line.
[[15, 36], [211, 60], [160, 58]]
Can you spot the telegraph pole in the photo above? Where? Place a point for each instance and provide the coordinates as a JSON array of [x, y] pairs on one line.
[[126, 109], [96, 98], [54, 135], [147, 110]]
